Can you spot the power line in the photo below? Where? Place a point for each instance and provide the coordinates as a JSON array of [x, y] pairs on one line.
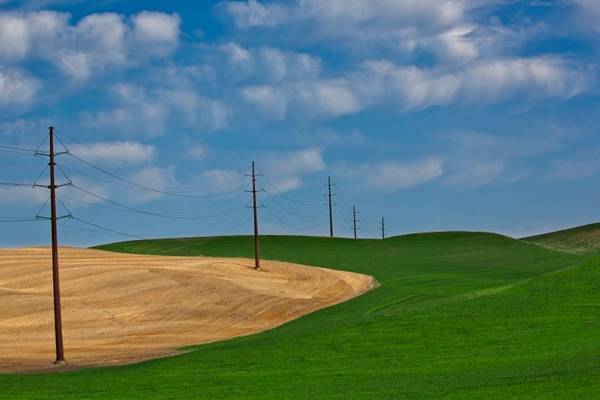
[[288, 210], [44, 140], [77, 228], [236, 226], [204, 227], [14, 184], [99, 178], [369, 230], [342, 200], [140, 211], [130, 182], [73, 170], [109, 155], [40, 176], [281, 220], [37, 215], [108, 229], [10, 220], [19, 153], [285, 196], [92, 204], [150, 189], [16, 148]]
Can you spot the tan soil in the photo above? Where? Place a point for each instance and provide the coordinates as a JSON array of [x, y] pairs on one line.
[[123, 308]]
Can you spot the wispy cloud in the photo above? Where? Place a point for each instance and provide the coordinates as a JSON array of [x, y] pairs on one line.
[[394, 175], [581, 165], [115, 153]]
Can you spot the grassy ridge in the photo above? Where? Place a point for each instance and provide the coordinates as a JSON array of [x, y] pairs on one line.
[[582, 239], [458, 316]]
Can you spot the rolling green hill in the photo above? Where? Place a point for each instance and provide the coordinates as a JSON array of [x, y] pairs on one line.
[[458, 316], [582, 239]]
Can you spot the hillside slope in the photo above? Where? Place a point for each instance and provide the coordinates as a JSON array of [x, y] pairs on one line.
[[458, 316], [582, 239], [123, 308]]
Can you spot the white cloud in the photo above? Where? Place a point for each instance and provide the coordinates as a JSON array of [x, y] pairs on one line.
[[332, 14], [75, 198], [286, 169], [158, 178], [477, 158], [156, 27], [158, 30], [469, 65], [24, 127], [22, 195], [455, 44], [380, 82], [114, 153], [208, 113], [21, 34], [13, 35], [252, 13], [147, 110], [588, 13], [483, 82], [439, 26], [17, 88], [476, 171], [395, 175], [330, 97], [95, 43], [544, 76], [197, 151], [135, 112], [268, 64], [235, 53], [268, 99], [155, 177], [220, 180]]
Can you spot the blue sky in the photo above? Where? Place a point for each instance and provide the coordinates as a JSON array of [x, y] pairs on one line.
[[437, 114]]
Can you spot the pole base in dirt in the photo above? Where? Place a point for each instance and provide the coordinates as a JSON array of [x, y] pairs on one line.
[[60, 362]]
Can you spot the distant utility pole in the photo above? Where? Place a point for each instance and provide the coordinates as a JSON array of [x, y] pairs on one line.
[[330, 207], [382, 227], [60, 354], [354, 220], [255, 208]]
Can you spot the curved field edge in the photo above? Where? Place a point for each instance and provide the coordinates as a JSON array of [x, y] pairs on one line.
[[124, 308], [458, 316]]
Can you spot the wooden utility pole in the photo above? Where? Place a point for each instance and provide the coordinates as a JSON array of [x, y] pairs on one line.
[[60, 355], [330, 206], [354, 220], [255, 208], [382, 227]]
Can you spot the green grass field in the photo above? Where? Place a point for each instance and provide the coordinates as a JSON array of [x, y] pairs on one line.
[[458, 316]]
